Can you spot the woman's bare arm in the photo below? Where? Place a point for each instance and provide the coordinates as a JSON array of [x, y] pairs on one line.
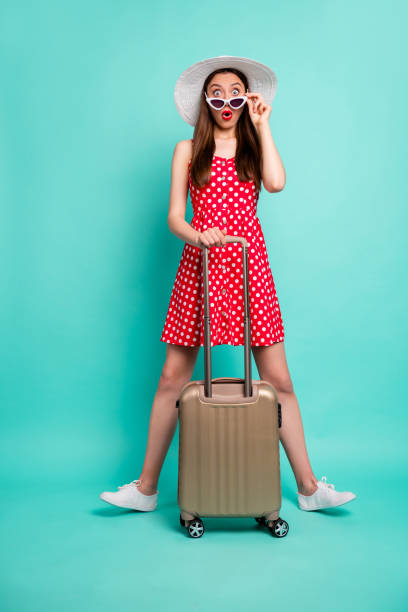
[[273, 172], [177, 223], [178, 194]]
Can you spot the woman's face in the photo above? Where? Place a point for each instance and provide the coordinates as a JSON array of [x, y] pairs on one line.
[[226, 85]]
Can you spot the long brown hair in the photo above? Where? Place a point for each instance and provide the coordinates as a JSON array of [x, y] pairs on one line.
[[248, 152]]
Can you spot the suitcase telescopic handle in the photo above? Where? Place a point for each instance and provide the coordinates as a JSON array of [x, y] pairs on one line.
[[247, 322]]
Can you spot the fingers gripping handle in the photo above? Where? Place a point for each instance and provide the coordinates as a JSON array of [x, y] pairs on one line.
[[247, 322]]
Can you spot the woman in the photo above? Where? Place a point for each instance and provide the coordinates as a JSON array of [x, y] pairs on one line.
[[231, 152]]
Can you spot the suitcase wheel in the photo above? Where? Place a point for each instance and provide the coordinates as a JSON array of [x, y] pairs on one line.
[[261, 520], [195, 528], [278, 528]]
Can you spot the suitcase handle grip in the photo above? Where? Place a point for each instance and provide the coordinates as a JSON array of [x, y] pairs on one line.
[[247, 322], [228, 238]]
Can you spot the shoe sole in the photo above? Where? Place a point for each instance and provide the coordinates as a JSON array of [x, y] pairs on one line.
[[327, 507], [128, 507]]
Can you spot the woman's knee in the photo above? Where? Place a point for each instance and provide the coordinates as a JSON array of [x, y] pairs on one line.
[[171, 380], [175, 374], [281, 384]]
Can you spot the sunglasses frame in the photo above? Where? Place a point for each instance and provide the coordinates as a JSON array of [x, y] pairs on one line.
[[225, 102]]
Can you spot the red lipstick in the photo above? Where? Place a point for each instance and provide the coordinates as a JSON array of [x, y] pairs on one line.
[[226, 114]]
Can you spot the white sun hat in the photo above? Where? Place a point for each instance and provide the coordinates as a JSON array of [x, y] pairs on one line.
[[187, 91]]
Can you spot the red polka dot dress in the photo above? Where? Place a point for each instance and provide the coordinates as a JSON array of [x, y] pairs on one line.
[[225, 202]]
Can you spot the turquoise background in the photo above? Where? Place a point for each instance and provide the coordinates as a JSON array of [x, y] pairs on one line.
[[88, 127]]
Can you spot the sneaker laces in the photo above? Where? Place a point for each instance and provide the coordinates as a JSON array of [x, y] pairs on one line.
[[134, 483], [130, 484], [325, 484]]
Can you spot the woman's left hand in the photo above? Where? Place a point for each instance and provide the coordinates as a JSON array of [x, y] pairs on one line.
[[258, 110]]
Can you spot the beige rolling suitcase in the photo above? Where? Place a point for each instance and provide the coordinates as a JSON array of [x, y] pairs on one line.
[[229, 439]]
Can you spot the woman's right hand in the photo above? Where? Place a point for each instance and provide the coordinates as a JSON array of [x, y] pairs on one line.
[[212, 237]]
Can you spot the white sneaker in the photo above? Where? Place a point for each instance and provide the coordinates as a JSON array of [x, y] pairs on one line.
[[325, 496], [129, 496]]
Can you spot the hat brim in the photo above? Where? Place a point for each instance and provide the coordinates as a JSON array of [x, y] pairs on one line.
[[189, 85]]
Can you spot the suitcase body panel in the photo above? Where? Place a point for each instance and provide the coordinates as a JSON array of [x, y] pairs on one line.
[[229, 450]]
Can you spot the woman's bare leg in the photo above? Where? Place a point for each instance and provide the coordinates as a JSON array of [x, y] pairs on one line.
[[177, 371], [272, 367]]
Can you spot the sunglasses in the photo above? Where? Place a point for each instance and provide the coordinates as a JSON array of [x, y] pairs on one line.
[[219, 103]]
